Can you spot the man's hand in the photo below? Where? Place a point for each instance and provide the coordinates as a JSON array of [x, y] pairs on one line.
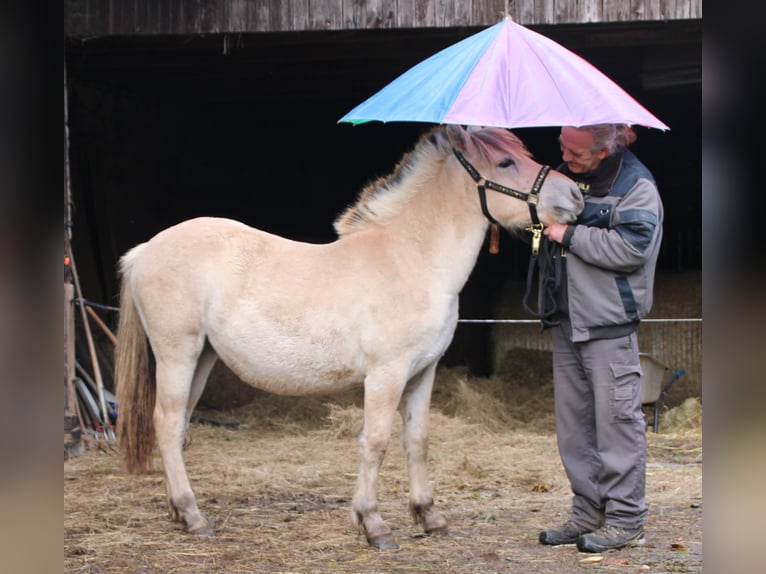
[[555, 232]]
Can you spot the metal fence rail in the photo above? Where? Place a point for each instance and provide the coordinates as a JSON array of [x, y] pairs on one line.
[[676, 342]]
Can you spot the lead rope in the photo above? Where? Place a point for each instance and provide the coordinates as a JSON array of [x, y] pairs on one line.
[[549, 273]]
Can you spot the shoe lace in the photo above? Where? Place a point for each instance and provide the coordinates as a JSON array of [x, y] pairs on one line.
[[609, 531]]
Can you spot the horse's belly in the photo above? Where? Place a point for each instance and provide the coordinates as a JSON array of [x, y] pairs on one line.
[[296, 380], [283, 366], [288, 342]]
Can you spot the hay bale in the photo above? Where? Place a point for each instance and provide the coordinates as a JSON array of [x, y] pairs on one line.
[[687, 415], [519, 399]]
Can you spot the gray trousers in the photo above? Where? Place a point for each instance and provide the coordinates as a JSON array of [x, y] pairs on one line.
[[601, 429]]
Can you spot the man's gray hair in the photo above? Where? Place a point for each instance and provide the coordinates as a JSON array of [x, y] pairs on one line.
[[613, 137]]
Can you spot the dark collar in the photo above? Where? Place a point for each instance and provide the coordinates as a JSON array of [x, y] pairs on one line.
[[597, 182]]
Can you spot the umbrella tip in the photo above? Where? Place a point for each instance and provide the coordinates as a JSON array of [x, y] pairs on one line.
[[508, 10]]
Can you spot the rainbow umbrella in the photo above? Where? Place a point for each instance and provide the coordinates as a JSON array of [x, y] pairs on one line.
[[504, 76]]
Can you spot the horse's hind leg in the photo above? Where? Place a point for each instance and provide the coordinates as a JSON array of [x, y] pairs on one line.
[[414, 409], [174, 379], [205, 364]]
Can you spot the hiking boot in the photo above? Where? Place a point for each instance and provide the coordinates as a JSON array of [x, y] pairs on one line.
[[611, 538], [568, 533]]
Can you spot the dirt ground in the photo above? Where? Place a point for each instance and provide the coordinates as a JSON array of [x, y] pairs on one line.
[[278, 489]]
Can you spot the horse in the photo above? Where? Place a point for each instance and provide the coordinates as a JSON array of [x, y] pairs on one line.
[[376, 306]]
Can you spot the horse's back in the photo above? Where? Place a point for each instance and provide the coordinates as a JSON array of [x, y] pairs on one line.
[[175, 274], [196, 248], [196, 239]]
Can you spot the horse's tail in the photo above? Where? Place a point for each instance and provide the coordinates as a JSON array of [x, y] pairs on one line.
[[134, 379]]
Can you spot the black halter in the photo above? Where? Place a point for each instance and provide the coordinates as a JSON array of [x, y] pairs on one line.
[[549, 282], [482, 184]]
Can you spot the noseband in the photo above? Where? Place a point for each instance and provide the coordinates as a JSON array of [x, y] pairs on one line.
[[482, 184]]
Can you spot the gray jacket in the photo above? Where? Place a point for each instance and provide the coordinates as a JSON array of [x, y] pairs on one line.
[[611, 252]]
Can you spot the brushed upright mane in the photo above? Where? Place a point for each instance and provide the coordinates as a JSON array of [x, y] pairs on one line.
[[495, 144], [384, 196]]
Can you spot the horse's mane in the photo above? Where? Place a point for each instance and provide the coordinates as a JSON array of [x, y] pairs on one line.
[[383, 196], [492, 142]]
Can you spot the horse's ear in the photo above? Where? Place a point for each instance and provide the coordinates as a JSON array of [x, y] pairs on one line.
[[457, 136]]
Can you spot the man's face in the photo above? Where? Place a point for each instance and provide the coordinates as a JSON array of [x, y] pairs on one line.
[[576, 146]]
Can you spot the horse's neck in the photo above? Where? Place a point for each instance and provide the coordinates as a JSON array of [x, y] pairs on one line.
[[444, 230]]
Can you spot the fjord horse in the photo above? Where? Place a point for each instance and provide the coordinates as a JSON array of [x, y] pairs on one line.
[[378, 306]]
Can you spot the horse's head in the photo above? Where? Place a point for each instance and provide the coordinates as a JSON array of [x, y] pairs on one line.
[[506, 175]]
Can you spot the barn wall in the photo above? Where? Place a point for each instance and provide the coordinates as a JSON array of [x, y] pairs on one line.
[[170, 120], [104, 17]]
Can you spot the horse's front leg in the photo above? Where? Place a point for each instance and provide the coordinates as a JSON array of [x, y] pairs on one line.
[[414, 409], [382, 392], [170, 420]]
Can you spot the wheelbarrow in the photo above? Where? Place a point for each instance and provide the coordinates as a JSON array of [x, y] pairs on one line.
[[656, 380]]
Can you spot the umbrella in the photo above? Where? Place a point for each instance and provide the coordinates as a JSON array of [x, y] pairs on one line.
[[505, 76]]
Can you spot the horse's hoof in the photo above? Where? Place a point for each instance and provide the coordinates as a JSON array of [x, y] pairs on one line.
[[438, 531], [435, 524], [205, 531], [384, 542], [430, 520]]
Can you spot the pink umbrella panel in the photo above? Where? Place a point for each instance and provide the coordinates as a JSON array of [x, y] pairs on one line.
[[505, 76]]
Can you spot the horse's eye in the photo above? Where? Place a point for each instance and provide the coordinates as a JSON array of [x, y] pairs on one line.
[[507, 162]]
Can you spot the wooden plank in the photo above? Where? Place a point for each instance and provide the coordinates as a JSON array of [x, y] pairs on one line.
[[173, 16], [324, 14], [544, 12], [678, 9], [405, 14], [523, 12], [444, 13], [206, 14], [415, 14], [695, 9], [651, 10], [300, 15], [105, 17], [565, 12], [617, 10], [591, 11], [462, 13], [637, 9], [362, 14], [279, 15], [487, 12], [262, 16], [239, 15]]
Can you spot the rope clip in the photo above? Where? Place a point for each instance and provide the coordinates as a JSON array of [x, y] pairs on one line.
[[537, 234]]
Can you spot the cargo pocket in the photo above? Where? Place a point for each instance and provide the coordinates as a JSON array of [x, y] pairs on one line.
[[626, 393]]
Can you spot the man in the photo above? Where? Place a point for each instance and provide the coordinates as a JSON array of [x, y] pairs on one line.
[[606, 263]]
